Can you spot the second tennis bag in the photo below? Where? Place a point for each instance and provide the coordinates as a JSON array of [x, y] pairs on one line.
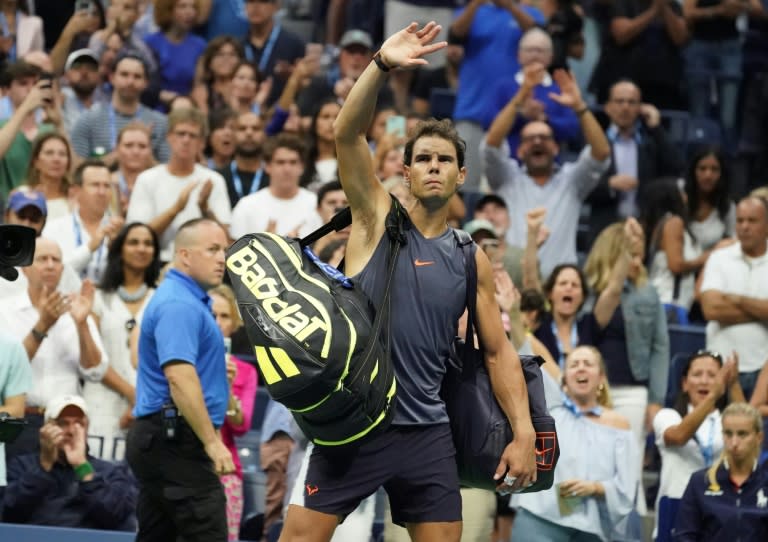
[[479, 426], [321, 346]]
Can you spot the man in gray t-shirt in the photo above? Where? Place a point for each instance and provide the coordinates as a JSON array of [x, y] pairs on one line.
[[539, 182], [95, 133]]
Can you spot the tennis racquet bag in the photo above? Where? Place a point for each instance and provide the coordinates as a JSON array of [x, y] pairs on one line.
[[321, 346]]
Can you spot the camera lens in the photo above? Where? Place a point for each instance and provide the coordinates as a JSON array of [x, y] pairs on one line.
[[17, 245]]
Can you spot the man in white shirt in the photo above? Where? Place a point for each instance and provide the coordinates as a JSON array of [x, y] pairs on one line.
[[540, 182], [84, 235], [283, 207], [60, 338], [734, 293], [168, 195]]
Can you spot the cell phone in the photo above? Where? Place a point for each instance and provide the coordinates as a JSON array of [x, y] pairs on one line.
[[10, 427], [396, 125], [47, 83], [84, 5]]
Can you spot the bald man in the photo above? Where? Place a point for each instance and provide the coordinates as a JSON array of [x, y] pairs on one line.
[[174, 446], [734, 293], [60, 338]]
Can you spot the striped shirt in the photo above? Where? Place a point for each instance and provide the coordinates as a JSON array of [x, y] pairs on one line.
[[99, 127]]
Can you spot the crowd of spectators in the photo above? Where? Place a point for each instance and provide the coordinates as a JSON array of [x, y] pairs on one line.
[[615, 159]]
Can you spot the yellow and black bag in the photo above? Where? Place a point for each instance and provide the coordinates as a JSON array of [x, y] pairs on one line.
[[321, 346]]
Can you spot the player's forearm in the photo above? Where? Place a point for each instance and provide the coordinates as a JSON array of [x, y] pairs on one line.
[[357, 113], [509, 388]]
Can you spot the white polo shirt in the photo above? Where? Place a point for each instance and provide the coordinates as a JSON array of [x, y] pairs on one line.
[[730, 271]]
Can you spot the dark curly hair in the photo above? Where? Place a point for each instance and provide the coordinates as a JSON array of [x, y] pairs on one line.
[[113, 276], [435, 128]]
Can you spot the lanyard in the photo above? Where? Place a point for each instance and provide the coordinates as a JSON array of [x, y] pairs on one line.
[[266, 52], [708, 450], [560, 348], [113, 124], [238, 183], [79, 241], [576, 411], [7, 33], [123, 184]]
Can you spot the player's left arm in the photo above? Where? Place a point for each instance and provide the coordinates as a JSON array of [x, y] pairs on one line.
[[518, 460]]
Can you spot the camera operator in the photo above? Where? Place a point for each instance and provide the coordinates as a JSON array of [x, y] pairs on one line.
[[26, 207]]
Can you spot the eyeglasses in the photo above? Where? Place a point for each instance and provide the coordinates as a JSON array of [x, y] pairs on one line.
[[533, 137]]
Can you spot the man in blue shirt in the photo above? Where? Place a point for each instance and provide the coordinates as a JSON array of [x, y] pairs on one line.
[[174, 447]]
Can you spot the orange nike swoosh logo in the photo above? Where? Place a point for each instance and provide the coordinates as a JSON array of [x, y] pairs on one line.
[[420, 263]]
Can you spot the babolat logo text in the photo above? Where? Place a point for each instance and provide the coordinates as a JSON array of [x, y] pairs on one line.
[[291, 317]]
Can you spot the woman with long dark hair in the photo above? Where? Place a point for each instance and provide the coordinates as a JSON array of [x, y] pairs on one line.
[[710, 208], [217, 67], [128, 282], [321, 148], [672, 249], [689, 434]]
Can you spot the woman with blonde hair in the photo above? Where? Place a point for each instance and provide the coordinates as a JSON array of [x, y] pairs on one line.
[[50, 164], [635, 340], [729, 500], [595, 479], [242, 394]]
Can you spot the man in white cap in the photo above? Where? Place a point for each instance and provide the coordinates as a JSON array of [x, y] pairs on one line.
[[83, 89], [63, 485]]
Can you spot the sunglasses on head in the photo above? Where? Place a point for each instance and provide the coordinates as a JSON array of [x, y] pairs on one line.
[[708, 353]]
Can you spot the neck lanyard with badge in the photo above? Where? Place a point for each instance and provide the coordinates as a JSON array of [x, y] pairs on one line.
[[7, 33], [92, 265], [237, 182], [560, 348], [708, 449], [266, 53]]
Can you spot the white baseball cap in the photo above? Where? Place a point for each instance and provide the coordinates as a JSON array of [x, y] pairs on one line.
[[57, 404]]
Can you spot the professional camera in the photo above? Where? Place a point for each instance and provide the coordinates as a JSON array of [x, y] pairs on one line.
[[10, 427], [17, 249]]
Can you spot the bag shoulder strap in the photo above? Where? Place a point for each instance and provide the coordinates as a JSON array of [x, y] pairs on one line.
[[468, 249]]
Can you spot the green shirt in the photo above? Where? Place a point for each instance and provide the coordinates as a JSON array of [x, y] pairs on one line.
[[13, 166]]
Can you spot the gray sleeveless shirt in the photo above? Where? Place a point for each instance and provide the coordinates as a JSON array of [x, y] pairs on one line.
[[427, 300]]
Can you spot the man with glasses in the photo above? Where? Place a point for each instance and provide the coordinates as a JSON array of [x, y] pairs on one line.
[[95, 133], [641, 153], [174, 447], [539, 183], [168, 195]]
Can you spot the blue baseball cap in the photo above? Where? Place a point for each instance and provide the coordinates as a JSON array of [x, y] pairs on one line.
[[24, 197]]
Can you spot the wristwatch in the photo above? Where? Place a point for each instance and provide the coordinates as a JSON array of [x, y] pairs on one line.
[[38, 335]]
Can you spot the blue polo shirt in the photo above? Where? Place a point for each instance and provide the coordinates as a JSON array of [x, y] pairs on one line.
[[178, 325], [490, 52]]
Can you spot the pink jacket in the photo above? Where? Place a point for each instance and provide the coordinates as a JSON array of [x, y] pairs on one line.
[[244, 388]]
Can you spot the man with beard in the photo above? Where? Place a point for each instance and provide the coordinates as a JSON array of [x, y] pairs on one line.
[[95, 132], [83, 91], [539, 183], [245, 174]]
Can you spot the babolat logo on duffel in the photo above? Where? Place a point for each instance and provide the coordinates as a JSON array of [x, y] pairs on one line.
[[317, 339]]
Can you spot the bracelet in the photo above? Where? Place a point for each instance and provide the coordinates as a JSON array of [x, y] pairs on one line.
[[38, 335], [581, 111], [81, 471], [380, 63]]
